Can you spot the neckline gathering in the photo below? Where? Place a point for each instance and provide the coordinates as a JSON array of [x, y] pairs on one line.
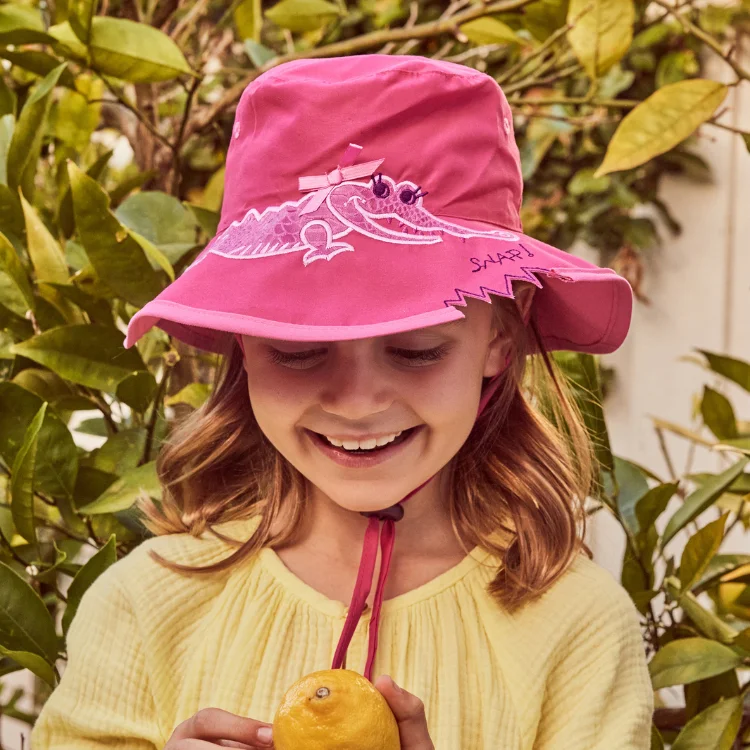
[[302, 591]]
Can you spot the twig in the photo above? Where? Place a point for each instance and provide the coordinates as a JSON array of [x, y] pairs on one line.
[[125, 103], [176, 161], [727, 127], [155, 414], [665, 453], [205, 117], [483, 51], [187, 20], [624, 103], [707, 39], [542, 49]]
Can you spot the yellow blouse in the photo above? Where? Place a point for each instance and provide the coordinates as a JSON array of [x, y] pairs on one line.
[[150, 647]]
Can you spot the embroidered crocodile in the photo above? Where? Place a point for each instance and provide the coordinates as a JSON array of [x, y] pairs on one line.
[[349, 207]]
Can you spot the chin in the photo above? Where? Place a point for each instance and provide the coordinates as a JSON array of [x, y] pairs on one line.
[[370, 498]]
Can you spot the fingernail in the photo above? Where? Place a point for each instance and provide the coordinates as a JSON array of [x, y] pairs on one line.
[[396, 687], [265, 735]]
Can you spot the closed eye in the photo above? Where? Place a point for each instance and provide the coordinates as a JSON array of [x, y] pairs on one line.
[[416, 356]]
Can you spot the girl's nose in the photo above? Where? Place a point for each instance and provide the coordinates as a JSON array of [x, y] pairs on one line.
[[356, 388]]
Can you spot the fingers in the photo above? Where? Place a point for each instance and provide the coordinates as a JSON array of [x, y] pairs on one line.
[[409, 712], [215, 725]]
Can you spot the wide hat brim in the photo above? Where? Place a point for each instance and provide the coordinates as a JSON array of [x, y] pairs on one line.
[[363, 286]]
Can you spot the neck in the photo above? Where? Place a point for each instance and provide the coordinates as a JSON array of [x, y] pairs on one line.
[[425, 531]]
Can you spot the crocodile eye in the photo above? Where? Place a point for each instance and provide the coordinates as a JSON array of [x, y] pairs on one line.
[[380, 188], [409, 196]]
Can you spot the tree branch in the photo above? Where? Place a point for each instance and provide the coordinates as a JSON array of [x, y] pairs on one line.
[[205, 117], [707, 39]]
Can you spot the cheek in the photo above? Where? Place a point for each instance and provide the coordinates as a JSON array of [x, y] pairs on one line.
[[275, 403]]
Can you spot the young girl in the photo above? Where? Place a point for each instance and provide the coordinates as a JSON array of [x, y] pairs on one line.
[[390, 474]]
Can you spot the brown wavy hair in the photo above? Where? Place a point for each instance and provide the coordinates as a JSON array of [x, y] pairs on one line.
[[519, 482]]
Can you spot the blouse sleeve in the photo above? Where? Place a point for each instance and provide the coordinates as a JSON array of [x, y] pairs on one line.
[[599, 694], [104, 697]]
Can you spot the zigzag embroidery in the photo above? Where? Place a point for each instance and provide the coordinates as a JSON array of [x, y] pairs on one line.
[[461, 294]]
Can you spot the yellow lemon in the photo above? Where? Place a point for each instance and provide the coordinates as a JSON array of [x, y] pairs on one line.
[[334, 709]]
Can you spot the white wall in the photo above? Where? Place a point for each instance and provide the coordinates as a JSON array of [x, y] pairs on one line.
[[699, 285]]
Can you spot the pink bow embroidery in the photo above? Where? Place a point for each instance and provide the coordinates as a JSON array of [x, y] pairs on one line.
[[345, 171]]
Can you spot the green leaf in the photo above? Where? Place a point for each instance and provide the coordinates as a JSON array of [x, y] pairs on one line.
[[29, 132], [22, 479], [45, 253], [91, 355], [134, 52], [702, 498], [21, 24], [57, 456], [676, 66], [699, 551], [68, 44], [155, 256], [736, 370], [162, 220], [718, 414], [302, 15], [715, 727], [719, 566], [602, 32], [194, 394], [583, 372], [689, 660], [631, 487], [121, 453], [488, 30], [708, 623], [652, 504], [65, 215], [615, 82], [258, 53], [77, 113], [137, 390], [658, 124], [583, 181], [25, 623], [248, 19], [125, 491], [118, 259], [80, 15], [544, 17], [746, 138], [93, 426], [102, 560], [15, 288], [208, 220], [34, 663], [7, 125]]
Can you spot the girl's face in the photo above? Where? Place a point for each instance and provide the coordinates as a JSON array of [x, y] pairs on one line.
[[426, 383]]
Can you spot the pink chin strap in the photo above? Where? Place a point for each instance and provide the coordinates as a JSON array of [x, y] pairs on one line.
[[386, 537]]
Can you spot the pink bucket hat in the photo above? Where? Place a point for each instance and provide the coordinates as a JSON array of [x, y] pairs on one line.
[[371, 195]]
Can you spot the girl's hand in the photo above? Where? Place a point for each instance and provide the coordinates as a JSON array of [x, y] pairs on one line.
[[409, 713], [213, 727]]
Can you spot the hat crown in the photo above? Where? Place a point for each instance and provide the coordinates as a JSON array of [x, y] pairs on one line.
[[443, 126]]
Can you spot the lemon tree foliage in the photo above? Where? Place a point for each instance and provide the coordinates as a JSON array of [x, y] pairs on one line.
[[114, 125]]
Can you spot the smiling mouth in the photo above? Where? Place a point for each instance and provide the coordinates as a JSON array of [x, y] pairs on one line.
[[405, 435]]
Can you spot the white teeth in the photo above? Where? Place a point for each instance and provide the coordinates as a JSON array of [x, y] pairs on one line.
[[353, 445]]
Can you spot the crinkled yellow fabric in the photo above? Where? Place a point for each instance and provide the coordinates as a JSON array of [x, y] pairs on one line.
[[149, 647]]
